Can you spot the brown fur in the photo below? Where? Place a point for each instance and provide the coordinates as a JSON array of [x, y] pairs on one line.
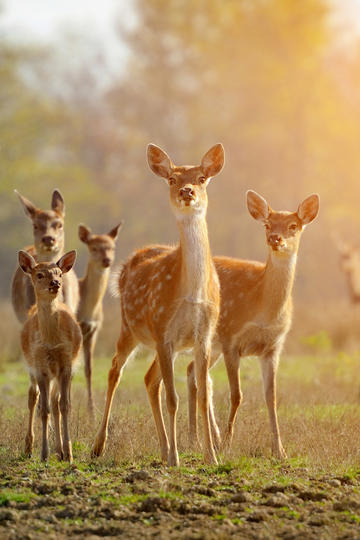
[[170, 300], [256, 309], [350, 266], [50, 340], [92, 290], [48, 227]]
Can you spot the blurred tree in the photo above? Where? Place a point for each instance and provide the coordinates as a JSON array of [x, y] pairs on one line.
[[40, 146]]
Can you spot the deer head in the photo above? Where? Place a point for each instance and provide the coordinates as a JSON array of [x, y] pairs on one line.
[[46, 276], [101, 246], [283, 229], [48, 226], [187, 183]]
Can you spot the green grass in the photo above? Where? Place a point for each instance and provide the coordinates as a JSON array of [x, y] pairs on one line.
[[9, 495]]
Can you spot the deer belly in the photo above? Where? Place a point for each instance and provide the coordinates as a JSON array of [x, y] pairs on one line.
[[185, 325], [256, 339]]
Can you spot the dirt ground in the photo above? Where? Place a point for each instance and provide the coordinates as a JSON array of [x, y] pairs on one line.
[[128, 493], [252, 499]]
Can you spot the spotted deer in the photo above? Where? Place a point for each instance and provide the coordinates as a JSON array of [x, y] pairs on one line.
[[50, 340], [48, 228], [92, 290], [170, 299], [256, 309]]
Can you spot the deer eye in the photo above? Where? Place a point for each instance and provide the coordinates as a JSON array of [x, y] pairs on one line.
[[202, 179], [36, 227], [39, 276], [293, 227], [267, 226], [172, 181]]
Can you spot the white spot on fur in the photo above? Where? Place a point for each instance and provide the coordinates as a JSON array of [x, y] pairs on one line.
[[241, 295], [168, 276]]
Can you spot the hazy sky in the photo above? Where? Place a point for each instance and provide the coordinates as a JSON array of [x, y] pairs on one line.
[[44, 19]]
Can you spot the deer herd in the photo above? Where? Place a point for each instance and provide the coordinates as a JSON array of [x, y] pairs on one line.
[[172, 299]]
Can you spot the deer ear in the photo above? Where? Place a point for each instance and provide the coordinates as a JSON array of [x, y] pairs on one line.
[[26, 261], [159, 162], [213, 161], [57, 203], [29, 208], [257, 206], [67, 261], [114, 232], [308, 209], [84, 233]]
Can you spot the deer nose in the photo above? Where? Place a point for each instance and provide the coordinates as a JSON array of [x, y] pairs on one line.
[[274, 239], [54, 283], [187, 190], [106, 262], [48, 240]]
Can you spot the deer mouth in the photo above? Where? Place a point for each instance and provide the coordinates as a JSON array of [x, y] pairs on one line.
[[278, 246], [187, 200], [54, 289], [49, 249]]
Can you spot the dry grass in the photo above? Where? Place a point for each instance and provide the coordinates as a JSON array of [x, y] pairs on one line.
[[318, 410], [318, 395]]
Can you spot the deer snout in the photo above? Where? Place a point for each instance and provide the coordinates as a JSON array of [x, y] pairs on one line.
[[187, 191], [55, 284], [106, 262], [49, 241], [275, 239]]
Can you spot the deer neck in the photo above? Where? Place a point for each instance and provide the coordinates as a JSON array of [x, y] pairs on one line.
[[48, 317], [196, 263], [278, 283], [48, 256], [94, 287]]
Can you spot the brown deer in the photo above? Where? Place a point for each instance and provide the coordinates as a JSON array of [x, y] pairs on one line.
[[255, 313], [170, 298], [92, 289], [350, 266], [51, 340], [256, 309], [48, 227]]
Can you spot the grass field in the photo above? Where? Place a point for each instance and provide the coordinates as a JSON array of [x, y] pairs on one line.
[[129, 493]]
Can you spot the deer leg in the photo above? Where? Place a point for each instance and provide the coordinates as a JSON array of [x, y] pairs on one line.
[[192, 405], [232, 363], [44, 386], [65, 386], [125, 346], [269, 365], [32, 400], [55, 409], [153, 382], [166, 361], [202, 363], [215, 432], [89, 346]]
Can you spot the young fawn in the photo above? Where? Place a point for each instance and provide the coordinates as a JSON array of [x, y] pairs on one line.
[[170, 299], [51, 340], [256, 309], [92, 289], [48, 227]]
